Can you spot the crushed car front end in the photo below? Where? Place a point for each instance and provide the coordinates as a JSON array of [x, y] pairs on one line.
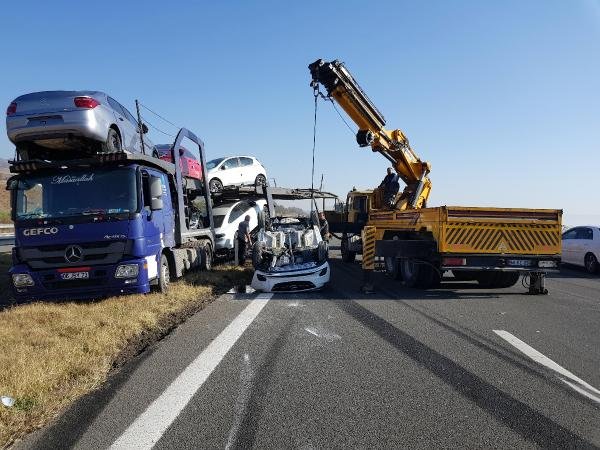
[[290, 257]]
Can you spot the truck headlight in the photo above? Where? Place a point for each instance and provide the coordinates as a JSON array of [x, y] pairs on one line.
[[127, 271], [22, 279], [547, 264]]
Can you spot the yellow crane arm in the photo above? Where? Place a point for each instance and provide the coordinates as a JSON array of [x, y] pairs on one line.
[[393, 145]]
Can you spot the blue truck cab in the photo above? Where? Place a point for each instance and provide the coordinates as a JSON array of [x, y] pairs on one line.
[[106, 225]]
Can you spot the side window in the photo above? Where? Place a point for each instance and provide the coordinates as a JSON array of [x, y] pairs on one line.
[[116, 106], [146, 189], [130, 117], [237, 211], [231, 163], [584, 233], [246, 161], [569, 234]]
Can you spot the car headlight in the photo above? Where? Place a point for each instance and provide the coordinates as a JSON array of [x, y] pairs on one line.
[[22, 279], [127, 271]]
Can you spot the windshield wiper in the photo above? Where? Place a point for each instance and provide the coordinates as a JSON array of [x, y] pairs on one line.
[[92, 211], [31, 216]]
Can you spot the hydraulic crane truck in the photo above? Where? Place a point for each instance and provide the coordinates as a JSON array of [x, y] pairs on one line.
[[493, 246], [107, 224]]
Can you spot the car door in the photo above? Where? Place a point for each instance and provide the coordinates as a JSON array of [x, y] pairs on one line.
[[568, 238], [229, 172], [247, 172], [135, 144], [582, 244]]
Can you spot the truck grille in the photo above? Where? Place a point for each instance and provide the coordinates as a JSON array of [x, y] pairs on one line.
[[508, 238], [53, 256]]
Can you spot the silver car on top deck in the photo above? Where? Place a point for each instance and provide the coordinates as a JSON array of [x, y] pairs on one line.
[[53, 121]]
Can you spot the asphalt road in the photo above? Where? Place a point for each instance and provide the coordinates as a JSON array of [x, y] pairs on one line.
[[401, 368]]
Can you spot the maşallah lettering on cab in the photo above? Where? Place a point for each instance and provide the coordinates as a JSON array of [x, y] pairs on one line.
[[72, 179]]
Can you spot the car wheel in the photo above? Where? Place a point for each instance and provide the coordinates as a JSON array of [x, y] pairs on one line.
[[164, 274], [261, 180], [591, 263], [113, 142], [323, 252], [215, 185]]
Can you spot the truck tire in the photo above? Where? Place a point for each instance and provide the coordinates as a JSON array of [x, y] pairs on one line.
[[419, 274], [113, 142], [164, 274], [496, 279], [347, 255], [392, 268], [206, 257]]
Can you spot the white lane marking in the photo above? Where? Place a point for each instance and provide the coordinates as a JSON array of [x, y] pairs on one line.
[[579, 385], [312, 331], [149, 427], [241, 404]]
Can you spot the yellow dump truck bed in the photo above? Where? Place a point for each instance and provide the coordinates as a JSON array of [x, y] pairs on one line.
[[476, 230]]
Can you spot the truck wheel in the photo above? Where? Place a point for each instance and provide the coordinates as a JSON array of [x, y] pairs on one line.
[[347, 255], [591, 263], [113, 142], [392, 267], [215, 185], [206, 257], [418, 275], [164, 274]]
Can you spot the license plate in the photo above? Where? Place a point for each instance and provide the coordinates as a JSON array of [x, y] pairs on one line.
[[519, 262], [75, 275]]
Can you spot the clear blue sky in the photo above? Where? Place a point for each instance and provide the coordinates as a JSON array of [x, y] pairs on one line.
[[502, 98]]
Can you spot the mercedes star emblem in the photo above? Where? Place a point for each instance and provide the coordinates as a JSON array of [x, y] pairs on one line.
[[73, 253]]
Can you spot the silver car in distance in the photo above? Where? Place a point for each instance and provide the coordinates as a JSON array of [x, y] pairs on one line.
[[41, 124]]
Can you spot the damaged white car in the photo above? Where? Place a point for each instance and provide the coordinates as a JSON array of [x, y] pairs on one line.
[[290, 257]]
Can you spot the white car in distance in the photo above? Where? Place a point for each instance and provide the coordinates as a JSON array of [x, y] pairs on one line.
[[235, 171], [581, 247], [227, 218]]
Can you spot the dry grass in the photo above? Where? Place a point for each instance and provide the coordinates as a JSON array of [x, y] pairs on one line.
[[53, 353]]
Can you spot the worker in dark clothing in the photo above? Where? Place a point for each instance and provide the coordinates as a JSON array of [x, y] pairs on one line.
[[324, 227], [244, 240], [391, 186]]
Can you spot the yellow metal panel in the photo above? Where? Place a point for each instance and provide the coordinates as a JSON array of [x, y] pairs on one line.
[[368, 253]]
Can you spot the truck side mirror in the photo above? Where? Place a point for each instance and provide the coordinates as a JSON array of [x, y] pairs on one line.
[[156, 192], [156, 204]]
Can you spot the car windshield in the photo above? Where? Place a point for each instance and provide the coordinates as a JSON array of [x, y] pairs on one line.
[[214, 163], [77, 192]]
